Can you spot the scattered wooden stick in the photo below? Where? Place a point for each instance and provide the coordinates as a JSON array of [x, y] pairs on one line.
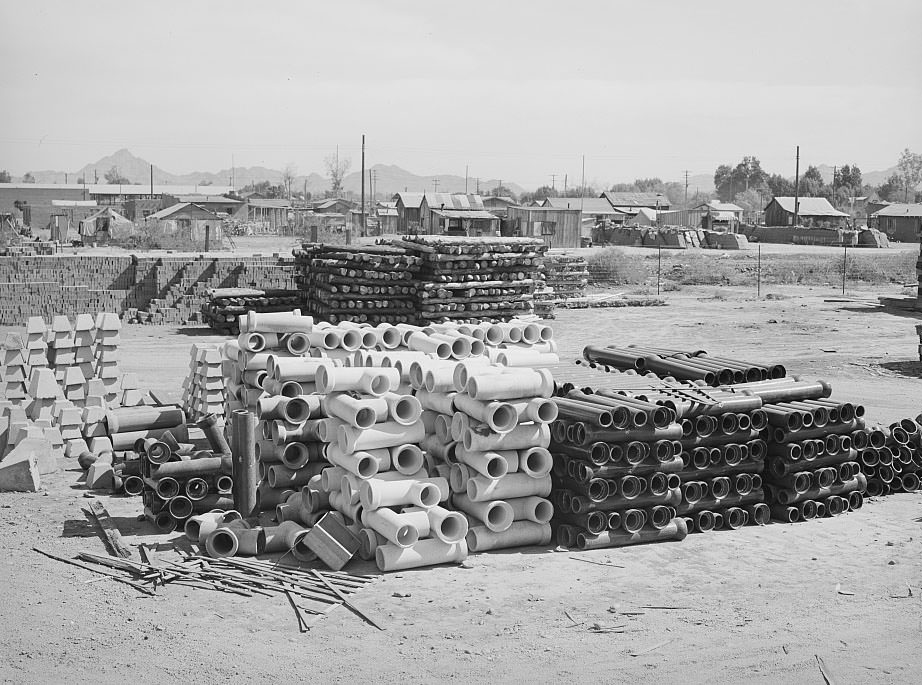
[[346, 601], [112, 535], [650, 649], [115, 576]]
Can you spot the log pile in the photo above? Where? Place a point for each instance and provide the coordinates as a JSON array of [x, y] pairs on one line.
[[475, 278], [369, 284], [225, 305], [563, 284]]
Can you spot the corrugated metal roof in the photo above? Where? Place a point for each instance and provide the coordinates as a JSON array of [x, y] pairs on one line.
[[465, 214], [900, 209], [199, 199], [411, 200], [454, 201], [629, 199], [589, 205], [272, 203], [170, 211], [73, 203], [721, 206], [809, 206]]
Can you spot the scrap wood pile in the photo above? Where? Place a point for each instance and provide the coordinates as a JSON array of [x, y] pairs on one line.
[[59, 383], [474, 278], [309, 592], [224, 305], [366, 284], [349, 462]]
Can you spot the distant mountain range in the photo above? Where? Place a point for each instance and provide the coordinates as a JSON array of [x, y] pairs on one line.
[[388, 179]]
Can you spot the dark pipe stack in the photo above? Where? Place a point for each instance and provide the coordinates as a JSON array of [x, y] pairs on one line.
[[683, 365], [180, 481], [224, 305], [892, 459], [616, 465]]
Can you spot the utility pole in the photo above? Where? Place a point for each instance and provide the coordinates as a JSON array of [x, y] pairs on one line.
[[362, 229], [435, 185], [797, 186], [686, 189], [834, 169], [478, 185], [465, 179], [233, 174], [152, 181], [553, 179], [565, 185], [582, 187]]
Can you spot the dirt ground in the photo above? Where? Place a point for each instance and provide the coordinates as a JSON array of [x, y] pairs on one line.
[[754, 605]]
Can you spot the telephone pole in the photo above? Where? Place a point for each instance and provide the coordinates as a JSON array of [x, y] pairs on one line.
[[435, 184], [565, 185], [686, 189], [362, 229], [465, 179], [553, 179], [797, 186], [834, 169]]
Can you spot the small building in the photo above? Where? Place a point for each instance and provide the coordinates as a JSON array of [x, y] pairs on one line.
[[644, 217], [632, 200], [456, 214], [190, 220], [720, 216], [388, 220], [334, 205], [595, 210], [263, 215], [408, 212], [214, 203], [813, 212], [901, 222], [66, 217], [558, 227], [498, 204], [105, 224]]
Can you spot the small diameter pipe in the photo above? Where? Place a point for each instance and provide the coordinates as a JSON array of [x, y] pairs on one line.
[[214, 432]]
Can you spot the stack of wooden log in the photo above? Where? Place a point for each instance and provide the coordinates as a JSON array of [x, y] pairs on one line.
[[464, 278], [366, 284], [224, 305]]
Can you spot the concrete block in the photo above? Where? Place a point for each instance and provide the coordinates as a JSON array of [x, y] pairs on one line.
[[40, 450], [19, 476], [100, 444], [100, 476], [74, 448], [42, 384]]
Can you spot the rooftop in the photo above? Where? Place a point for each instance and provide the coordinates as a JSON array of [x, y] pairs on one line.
[[809, 206], [900, 209]]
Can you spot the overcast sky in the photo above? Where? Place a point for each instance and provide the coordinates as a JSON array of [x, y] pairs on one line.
[[517, 90]]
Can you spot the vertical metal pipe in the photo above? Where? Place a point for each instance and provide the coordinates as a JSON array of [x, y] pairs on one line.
[[245, 466]]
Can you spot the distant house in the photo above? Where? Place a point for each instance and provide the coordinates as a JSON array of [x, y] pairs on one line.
[[644, 217], [386, 214], [334, 205], [190, 220], [813, 212], [264, 214], [558, 227], [901, 222], [215, 203], [408, 218], [718, 215], [66, 217], [630, 200], [498, 204], [456, 214]]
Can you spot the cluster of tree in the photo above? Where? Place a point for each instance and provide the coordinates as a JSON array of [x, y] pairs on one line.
[[675, 192], [544, 192], [5, 176]]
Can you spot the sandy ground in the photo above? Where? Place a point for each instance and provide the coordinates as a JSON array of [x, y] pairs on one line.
[[754, 605]]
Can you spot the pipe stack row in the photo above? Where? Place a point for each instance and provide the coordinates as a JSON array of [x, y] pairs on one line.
[[204, 391], [369, 284], [488, 432], [225, 305], [693, 365], [891, 460], [465, 278], [616, 465], [812, 468], [180, 481]]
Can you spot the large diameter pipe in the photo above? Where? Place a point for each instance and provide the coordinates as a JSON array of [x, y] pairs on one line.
[[375, 493], [782, 436], [204, 466], [675, 530], [428, 552], [523, 436], [511, 386], [480, 489], [144, 418], [496, 515], [535, 509], [797, 390], [519, 534], [214, 433], [787, 497], [127, 440], [387, 434]]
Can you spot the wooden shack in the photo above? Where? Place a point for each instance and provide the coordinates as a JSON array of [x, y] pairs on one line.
[[558, 227]]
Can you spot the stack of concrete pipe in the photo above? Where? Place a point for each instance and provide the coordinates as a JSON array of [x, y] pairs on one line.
[[687, 365], [616, 464], [891, 460], [812, 468], [180, 481], [488, 432]]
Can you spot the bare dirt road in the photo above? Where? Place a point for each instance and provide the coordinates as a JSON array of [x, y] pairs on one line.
[[754, 605]]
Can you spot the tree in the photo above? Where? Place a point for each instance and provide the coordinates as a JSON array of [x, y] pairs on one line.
[[848, 176], [113, 177], [750, 200], [28, 177], [649, 185], [288, 177], [909, 168], [501, 191], [749, 172], [337, 168], [812, 183], [723, 182], [81, 180], [205, 182], [580, 191], [779, 186], [892, 189], [5, 176], [544, 192]]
